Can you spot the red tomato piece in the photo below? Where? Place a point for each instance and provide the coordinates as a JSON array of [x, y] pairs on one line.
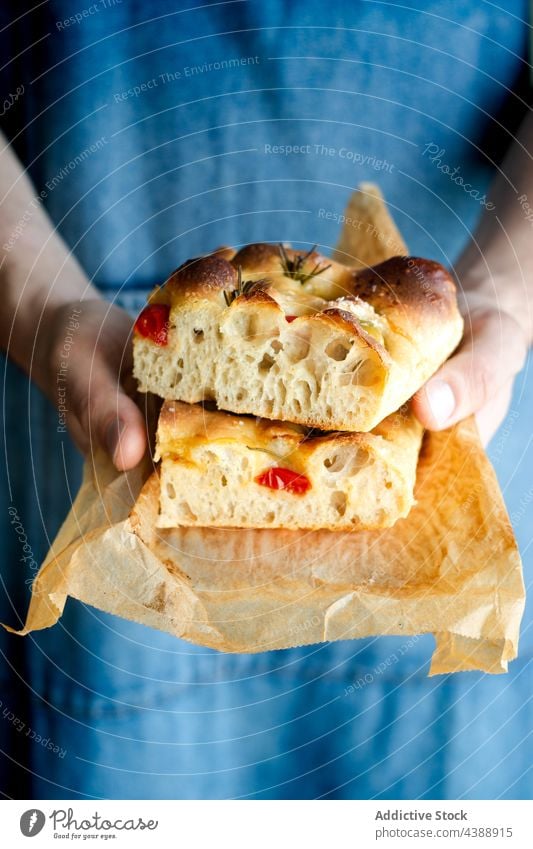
[[286, 479], [290, 318], [153, 323]]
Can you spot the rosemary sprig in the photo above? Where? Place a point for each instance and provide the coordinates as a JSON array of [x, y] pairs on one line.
[[243, 288], [294, 268]]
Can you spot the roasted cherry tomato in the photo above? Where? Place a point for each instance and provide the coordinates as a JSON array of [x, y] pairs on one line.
[[286, 479], [153, 323]]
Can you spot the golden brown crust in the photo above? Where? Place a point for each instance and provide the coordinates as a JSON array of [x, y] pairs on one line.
[[224, 251], [205, 275], [194, 421], [419, 286], [180, 422], [408, 288], [258, 295], [260, 256]]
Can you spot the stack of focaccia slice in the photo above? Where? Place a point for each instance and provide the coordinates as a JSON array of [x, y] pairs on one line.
[[286, 378]]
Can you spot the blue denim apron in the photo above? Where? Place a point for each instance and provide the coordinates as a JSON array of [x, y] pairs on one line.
[[156, 138]]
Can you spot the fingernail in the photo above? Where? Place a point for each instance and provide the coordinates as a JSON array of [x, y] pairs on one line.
[[112, 436], [441, 400]]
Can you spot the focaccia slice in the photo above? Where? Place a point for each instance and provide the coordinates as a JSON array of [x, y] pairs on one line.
[[282, 334], [223, 470]]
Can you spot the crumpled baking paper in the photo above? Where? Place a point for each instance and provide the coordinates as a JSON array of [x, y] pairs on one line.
[[451, 568]]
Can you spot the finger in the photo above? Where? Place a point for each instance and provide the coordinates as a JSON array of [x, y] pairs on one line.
[[125, 435], [107, 417], [486, 362]]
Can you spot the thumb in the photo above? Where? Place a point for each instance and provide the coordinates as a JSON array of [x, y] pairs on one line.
[[492, 352], [107, 417]]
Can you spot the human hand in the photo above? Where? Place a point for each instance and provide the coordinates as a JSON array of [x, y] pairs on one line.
[[479, 377], [93, 372]]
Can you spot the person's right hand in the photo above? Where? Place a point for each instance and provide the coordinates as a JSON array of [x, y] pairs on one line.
[[98, 367]]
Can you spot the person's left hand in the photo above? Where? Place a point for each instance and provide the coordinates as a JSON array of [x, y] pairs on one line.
[[479, 377]]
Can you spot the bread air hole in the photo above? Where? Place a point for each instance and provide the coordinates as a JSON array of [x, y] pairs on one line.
[[281, 393], [186, 512], [266, 363], [347, 460], [297, 348], [171, 492], [303, 390], [198, 335], [338, 502], [364, 373], [337, 350]]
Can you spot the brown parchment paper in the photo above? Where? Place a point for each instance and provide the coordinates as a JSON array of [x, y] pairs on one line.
[[451, 568]]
